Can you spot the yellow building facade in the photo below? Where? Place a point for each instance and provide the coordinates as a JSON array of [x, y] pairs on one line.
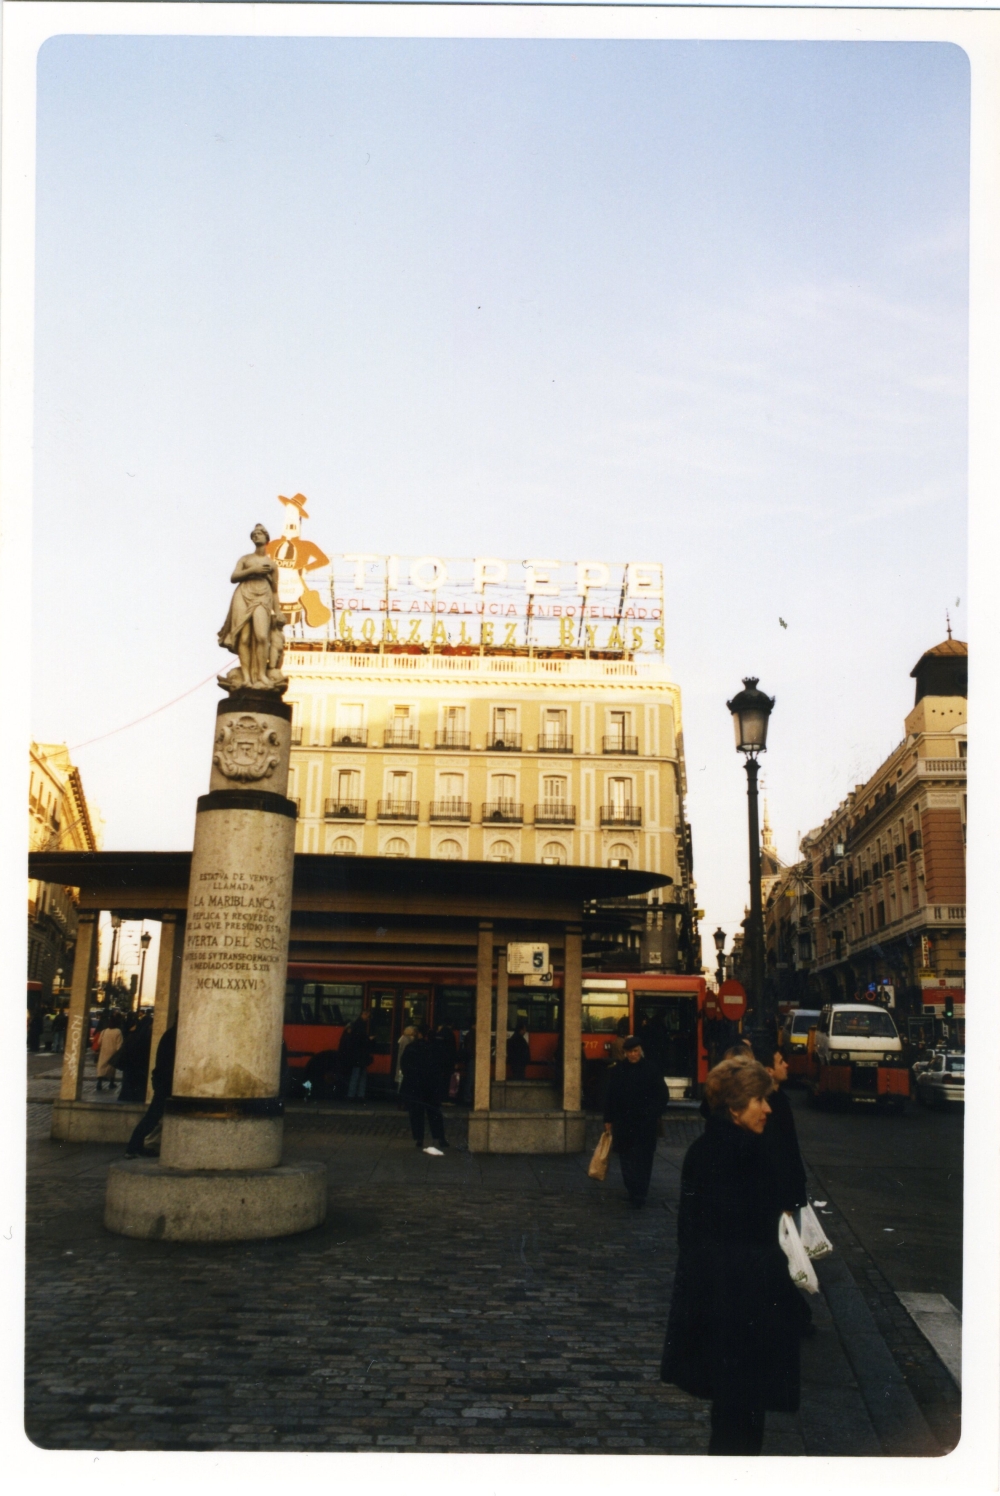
[[489, 757]]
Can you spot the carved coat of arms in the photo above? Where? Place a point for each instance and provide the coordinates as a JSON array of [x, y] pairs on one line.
[[246, 749]]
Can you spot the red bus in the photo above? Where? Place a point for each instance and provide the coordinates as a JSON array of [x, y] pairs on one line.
[[321, 1000]]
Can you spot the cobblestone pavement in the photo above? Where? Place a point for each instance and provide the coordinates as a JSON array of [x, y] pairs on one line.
[[469, 1303]]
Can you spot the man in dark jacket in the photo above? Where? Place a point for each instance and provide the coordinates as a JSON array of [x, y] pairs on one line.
[[420, 1068], [163, 1084], [637, 1098], [133, 1058], [518, 1052]]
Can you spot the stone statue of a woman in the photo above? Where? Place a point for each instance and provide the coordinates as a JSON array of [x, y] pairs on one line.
[[253, 619]]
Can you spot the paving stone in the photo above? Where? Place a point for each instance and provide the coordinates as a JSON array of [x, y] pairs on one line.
[[465, 1303]]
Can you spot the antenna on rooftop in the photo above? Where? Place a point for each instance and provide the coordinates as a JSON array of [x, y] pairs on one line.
[[947, 619]]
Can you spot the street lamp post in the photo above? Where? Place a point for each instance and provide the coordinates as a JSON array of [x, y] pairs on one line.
[[751, 710], [144, 940], [720, 944], [116, 924]]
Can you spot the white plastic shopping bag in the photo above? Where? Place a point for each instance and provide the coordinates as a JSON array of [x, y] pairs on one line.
[[814, 1238], [800, 1269]]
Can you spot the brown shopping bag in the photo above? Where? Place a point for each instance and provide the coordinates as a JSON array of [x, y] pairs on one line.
[[599, 1163]]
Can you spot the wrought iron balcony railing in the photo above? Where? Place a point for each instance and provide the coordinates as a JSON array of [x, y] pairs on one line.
[[346, 810], [621, 815], [620, 743], [504, 742], [350, 737], [450, 810], [401, 737], [555, 742], [555, 813], [398, 810], [503, 810], [450, 739]]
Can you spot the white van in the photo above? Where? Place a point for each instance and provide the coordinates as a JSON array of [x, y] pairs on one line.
[[857, 1052]]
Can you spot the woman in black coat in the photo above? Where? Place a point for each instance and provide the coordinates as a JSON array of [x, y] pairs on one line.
[[732, 1333]]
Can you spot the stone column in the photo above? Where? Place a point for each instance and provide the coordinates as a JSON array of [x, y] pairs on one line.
[[572, 1017], [168, 982], [500, 1065], [78, 1019], [484, 1015], [225, 1112]]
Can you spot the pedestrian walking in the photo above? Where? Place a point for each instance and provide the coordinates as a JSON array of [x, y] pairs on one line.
[[637, 1098], [655, 1040], [781, 1143], [445, 1049], [518, 1051], [35, 1031], [47, 1031], [133, 1058], [111, 1042], [408, 1033], [59, 1024], [421, 1090], [358, 1057], [732, 1333], [163, 1084]]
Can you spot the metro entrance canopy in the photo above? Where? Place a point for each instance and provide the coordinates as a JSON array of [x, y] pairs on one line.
[[374, 910]]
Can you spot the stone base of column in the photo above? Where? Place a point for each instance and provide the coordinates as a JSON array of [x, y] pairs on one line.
[[524, 1096], [95, 1121], [146, 1200], [527, 1132], [191, 1142]]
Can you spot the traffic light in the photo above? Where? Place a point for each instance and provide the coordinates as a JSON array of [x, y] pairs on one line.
[[949, 1005]]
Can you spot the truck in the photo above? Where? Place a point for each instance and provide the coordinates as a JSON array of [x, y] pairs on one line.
[[855, 1053]]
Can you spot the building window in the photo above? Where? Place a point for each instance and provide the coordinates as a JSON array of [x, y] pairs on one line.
[[449, 851], [963, 748], [880, 911], [399, 787], [502, 851], [554, 853], [553, 791], [915, 841], [503, 789], [505, 734], [344, 847], [619, 854], [396, 847]]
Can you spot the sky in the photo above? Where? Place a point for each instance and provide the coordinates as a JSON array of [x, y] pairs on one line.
[[701, 303]]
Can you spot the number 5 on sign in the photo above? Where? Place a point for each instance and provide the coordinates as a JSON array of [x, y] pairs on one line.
[[527, 960]]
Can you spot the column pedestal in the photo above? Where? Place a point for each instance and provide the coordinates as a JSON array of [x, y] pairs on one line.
[[219, 1176]]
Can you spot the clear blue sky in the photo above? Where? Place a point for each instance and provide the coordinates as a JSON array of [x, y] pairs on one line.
[[697, 302]]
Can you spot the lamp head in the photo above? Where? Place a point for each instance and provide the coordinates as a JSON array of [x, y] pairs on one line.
[[751, 710]]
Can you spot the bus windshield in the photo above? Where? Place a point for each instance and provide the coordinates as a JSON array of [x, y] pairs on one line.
[[871, 1024]]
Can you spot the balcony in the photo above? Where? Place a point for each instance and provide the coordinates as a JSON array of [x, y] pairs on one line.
[[398, 810], [555, 742], [345, 810], [619, 743], [350, 737], [451, 810], [451, 739], [503, 810], [401, 737], [555, 813], [508, 742], [621, 815]]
